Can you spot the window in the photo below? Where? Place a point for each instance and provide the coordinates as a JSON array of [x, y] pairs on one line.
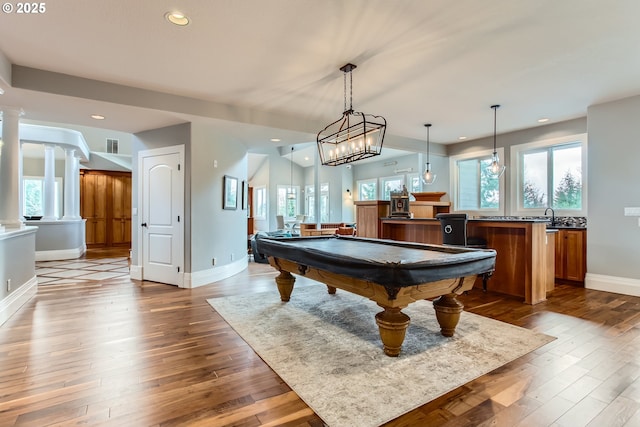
[[112, 145], [414, 183], [473, 188], [310, 202], [550, 174], [324, 202], [33, 196], [260, 202], [389, 184], [367, 189], [287, 202]]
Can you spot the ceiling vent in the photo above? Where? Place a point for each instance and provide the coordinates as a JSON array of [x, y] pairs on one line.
[[112, 146]]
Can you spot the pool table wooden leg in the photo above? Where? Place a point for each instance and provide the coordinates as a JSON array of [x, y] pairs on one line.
[[448, 310], [285, 281], [393, 325]]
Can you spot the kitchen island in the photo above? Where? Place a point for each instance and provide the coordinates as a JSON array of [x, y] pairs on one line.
[[525, 260]]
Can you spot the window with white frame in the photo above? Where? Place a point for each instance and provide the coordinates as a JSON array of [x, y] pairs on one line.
[[550, 173], [260, 202], [287, 200], [414, 183], [474, 189], [389, 184], [324, 202], [310, 202], [33, 196], [367, 189]]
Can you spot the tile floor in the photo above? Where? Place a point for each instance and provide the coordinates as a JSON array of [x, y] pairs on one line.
[[81, 270]]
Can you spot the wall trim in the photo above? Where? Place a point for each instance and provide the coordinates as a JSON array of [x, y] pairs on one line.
[[135, 272], [61, 254], [210, 275], [16, 299], [618, 285]]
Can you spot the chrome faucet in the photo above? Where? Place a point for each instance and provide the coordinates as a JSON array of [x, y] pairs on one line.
[[553, 215]]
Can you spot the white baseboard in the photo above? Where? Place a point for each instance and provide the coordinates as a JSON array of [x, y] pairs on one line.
[[206, 277], [618, 285], [61, 254], [135, 272], [16, 299]]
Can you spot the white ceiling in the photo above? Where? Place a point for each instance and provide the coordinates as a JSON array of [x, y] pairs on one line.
[[264, 69]]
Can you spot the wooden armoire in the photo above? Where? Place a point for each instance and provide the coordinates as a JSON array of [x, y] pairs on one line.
[[105, 202]]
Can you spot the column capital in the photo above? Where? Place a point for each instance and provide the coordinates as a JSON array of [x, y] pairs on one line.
[[9, 111]]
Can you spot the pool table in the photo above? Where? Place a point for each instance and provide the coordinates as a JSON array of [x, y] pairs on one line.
[[393, 274]]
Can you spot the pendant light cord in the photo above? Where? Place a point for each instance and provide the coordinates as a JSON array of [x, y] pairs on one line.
[[495, 114]]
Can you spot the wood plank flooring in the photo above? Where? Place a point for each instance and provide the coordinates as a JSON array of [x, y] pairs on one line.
[[119, 352]]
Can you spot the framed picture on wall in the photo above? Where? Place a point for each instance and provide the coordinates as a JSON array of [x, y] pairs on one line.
[[245, 195], [230, 200]]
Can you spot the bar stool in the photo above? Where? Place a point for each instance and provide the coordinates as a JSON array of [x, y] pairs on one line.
[[454, 233]]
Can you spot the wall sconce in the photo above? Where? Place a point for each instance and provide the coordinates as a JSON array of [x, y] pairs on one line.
[[349, 193]]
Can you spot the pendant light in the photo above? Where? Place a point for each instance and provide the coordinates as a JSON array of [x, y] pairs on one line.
[[495, 169], [354, 136], [290, 194], [428, 177]]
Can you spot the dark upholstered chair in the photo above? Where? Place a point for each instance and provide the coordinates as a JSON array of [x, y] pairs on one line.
[[454, 233]]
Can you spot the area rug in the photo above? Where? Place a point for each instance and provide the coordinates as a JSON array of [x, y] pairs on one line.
[[327, 349]]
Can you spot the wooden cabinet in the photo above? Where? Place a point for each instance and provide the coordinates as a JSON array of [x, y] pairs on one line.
[[368, 214], [571, 258], [105, 202], [93, 207]]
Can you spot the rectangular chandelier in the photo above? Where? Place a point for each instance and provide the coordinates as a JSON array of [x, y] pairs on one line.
[[355, 136]]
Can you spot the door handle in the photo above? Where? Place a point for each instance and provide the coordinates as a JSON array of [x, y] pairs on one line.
[[144, 224]]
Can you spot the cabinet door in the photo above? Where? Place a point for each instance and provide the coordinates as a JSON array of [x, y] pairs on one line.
[[93, 207], [120, 212], [560, 254], [367, 221], [574, 255]]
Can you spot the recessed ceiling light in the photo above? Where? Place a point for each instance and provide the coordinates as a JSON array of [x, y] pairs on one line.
[[97, 116], [306, 158], [1, 91], [543, 120], [177, 18], [462, 138], [275, 139]]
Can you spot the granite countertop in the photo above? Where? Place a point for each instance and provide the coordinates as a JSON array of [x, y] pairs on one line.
[[561, 223]]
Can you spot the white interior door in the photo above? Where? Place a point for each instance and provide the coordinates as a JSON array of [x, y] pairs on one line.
[[162, 216]]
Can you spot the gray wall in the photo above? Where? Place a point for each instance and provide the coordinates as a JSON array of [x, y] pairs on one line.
[[613, 245], [216, 232], [96, 138], [158, 138], [439, 165], [19, 268], [276, 170], [506, 140]]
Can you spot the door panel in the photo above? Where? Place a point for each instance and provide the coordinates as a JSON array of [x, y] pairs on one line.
[[93, 207], [162, 195], [105, 202]]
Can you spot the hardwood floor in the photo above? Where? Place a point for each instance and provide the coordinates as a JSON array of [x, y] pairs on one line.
[[128, 353]]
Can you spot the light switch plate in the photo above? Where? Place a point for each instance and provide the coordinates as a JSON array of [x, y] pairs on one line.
[[631, 211]]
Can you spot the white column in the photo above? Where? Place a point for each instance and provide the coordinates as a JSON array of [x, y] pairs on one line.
[[49, 183], [10, 170], [70, 176], [76, 185]]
